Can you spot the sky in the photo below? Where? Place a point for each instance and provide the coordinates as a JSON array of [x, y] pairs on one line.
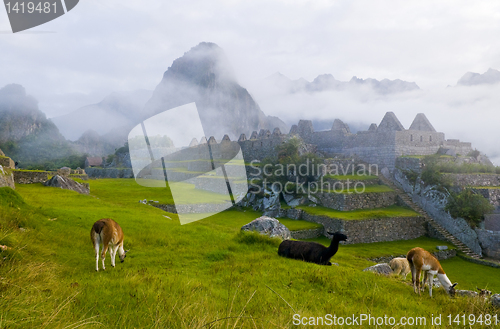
[[121, 45]]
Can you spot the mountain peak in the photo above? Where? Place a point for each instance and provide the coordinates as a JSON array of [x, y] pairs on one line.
[[13, 89], [201, 64], [491, 76], [204, 75]]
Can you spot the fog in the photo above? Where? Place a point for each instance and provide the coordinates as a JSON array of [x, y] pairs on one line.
[[468, 113], [101, 47]]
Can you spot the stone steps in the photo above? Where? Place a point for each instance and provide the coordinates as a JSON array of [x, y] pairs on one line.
[[407, 200]]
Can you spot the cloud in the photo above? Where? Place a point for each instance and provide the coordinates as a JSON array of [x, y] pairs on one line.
[[105, 46], [466, 113]]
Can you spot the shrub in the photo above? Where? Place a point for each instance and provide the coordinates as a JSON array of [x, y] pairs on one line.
[[468, 205], [290, 165], [411, 175], [474, 154], [252, 238]]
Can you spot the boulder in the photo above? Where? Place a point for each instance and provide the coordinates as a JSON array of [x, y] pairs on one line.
[[6, 179], [382, 268], [268, 226], [297, 202], [466, 293], [495, 300], [442, 247], [269, 204], [64, 171], [313, 199], [248, 200], [287, 197], [67, 184]]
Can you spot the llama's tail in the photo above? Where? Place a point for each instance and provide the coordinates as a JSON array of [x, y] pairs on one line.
[[97, 230], [409, 258]]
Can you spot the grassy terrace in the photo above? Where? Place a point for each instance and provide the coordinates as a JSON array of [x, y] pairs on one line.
[[298, 225], [352, 190], [25, 170], [392, 211], [130, 191], [376, 249], [207, 274]]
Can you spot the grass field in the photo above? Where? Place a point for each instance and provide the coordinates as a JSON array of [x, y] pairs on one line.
[[205, 274]]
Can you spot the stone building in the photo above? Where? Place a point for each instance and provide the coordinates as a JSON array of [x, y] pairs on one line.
[[93, 162], [380, 144]]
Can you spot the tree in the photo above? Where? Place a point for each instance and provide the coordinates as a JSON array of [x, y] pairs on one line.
[[290, 165], [468, 205]]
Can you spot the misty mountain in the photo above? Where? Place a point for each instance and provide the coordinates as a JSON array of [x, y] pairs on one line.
[[118, 109], [26, 135], [491, 76], [204, 75], [385, 86], [93, 144], [326, 82]]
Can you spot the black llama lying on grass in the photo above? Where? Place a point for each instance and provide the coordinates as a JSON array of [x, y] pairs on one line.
[[311, 251]]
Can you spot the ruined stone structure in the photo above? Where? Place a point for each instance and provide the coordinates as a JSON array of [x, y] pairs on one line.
[[380, 145], [30, 177]]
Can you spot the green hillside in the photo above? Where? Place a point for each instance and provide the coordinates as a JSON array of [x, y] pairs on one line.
[[205, 274]]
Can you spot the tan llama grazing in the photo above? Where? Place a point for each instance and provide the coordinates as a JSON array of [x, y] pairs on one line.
[[108, 233], [400, 265], [421, 260]]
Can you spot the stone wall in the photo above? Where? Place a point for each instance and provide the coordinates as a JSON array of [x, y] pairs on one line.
[[490, 243], [433, 202], [474, 179], [459, 147], [109, 173], [30, 177], [372, 230], [261, 148], [493, 195], [413, 164], [492, 222], [307, 234], [345, 202]]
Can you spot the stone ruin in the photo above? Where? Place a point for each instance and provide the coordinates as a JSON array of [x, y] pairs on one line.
[[381, 144]]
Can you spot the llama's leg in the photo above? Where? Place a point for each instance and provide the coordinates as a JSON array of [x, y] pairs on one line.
[[96, 247], [431, 283], [103, 255], [418, 282], [112, 253], [424, 280], [413, 278]]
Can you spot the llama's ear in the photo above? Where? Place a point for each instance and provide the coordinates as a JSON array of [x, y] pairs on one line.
[[453, 286], [127, 251]]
